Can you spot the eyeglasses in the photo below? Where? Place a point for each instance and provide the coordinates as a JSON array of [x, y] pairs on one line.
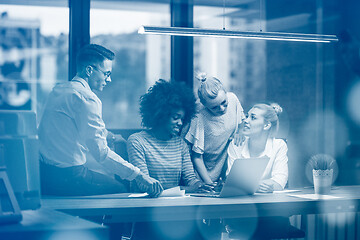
[[106, 74]]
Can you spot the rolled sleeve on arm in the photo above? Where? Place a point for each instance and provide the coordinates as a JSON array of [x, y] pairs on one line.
[[280, 169], [92, 130], [120, 167]]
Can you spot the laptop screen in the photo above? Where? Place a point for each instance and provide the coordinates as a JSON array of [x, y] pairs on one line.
[[244, 176]]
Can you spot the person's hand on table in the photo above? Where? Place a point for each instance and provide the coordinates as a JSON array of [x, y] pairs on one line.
[[207, 187], [204, 184], [151, 185], [266, 186], [199, 187], [219, 185]]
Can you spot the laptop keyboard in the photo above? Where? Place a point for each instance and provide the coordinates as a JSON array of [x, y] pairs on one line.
[[206, 194]]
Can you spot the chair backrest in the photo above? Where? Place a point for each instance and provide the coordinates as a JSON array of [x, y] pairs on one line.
[[19, 152], [120, 148]]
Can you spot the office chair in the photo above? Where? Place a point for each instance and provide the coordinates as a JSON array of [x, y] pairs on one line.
[[18, 139]]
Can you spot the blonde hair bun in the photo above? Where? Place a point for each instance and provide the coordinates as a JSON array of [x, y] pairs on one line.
[[278, 110], [201, 76]]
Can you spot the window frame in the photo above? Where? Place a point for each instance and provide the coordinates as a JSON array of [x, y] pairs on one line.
[[181, 15]]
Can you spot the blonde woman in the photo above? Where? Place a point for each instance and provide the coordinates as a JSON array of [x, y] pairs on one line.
[[259, 128], [210, 132]]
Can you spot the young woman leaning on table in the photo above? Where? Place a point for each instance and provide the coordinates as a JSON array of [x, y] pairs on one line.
[[210, 132], [259, 129]]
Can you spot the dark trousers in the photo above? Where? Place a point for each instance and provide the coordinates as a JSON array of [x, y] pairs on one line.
[[77, 181]]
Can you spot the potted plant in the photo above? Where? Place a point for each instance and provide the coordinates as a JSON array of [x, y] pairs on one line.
[[323, 170]]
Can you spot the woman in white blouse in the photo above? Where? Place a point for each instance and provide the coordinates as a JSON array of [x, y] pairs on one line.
[[260, 127]]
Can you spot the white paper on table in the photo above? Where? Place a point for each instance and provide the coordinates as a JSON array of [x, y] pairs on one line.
[[171, 192], [138, 195], [286, 191], [314, 196], [277, 192]]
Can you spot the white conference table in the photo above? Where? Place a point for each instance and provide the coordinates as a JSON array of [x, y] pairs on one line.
[[117, 208]]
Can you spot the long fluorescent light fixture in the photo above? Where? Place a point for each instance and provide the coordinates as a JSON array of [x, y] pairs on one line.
[[278, 36]]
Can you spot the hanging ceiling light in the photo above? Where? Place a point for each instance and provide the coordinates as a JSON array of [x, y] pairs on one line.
[[278, 36], [201, 32], [181, 31]]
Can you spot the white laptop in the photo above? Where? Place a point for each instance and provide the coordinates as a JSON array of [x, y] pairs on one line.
[[243, 178]]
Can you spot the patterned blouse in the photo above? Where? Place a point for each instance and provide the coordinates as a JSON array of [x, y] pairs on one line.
[[209, 135]]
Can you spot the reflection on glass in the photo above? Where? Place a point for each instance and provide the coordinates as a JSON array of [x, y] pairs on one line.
[[240, 64], [140, 60], [34, 54]]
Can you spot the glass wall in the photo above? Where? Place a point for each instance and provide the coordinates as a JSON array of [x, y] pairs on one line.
[[312, 82], [33, 53], [140, 59], [299, 76], [239, 63]]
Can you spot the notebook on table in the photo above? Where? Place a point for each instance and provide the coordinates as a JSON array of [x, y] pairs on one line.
[[243, 178]]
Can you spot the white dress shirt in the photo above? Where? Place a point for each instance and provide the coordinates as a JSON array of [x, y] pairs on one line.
[[275, 149], [72, 125]]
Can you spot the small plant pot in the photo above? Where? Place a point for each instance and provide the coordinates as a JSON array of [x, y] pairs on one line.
[[322, 181]]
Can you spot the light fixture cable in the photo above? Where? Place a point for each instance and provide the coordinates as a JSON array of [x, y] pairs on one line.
[[224, 4], [260, 14]]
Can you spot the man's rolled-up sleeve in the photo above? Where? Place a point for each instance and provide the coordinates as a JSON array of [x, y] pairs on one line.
[[92, 130]]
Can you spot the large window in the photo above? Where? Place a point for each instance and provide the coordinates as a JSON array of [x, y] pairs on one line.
[[140, 59], [240, 64], [297, 75], [33, 53], [309, 80]]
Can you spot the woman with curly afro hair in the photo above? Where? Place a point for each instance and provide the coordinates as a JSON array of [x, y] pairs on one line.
[[159, 151], [159, 103]]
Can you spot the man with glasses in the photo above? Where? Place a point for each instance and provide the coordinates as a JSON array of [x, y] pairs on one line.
[[72, 127]]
